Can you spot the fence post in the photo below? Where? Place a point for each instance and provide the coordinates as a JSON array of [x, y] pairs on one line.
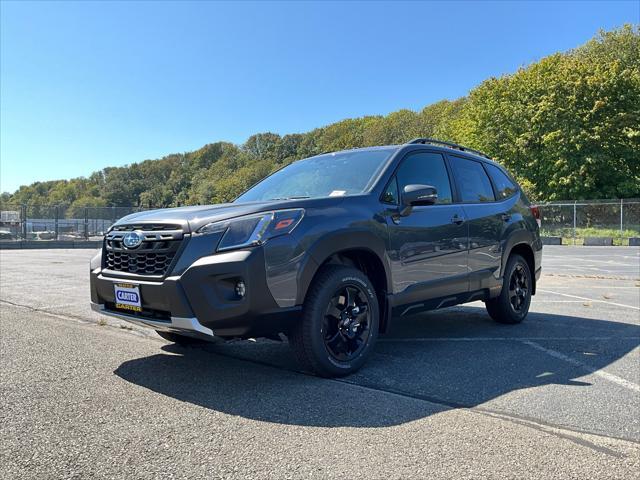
[[24, 222], [86, 223], [56, 222], [621, 229], [574, 221]]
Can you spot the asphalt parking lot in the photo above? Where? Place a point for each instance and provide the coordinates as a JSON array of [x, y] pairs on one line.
[[448, 394]]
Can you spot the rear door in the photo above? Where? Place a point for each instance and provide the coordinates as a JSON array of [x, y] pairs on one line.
[[485, 218], [428, 248]]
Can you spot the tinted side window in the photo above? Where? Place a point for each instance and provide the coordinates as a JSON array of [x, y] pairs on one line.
[[504, 186], [426, 169], [473, 180]]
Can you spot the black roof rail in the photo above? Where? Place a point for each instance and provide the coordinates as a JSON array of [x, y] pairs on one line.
[[435, 141]]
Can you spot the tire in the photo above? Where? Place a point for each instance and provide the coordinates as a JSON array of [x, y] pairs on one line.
[[182, 340], [512, 305], [339, 324]]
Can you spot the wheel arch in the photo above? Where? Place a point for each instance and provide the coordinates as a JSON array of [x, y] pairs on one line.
[[525, 251], [367, 255]]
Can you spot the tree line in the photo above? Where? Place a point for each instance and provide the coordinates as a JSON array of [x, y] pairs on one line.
[[567, 127]]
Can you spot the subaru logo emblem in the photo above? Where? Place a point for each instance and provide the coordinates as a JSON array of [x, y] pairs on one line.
[[132, 239]]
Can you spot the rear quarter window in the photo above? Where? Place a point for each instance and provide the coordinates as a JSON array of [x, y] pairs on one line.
[[505, 187]]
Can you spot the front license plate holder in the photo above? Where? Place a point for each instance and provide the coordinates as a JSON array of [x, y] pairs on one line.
[[128, 297]]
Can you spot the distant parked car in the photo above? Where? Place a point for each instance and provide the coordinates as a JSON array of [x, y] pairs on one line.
[[7, 235], [327, 250], [71, 236], [44, 235]]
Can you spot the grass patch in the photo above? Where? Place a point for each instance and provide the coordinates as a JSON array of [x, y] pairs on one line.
[[620, 238], [590, 232]]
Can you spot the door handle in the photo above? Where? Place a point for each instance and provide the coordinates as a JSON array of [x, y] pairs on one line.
[[457, 219], [506, 217]]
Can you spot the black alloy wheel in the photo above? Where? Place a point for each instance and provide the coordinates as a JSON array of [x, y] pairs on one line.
[[339, 324], [519, 289], [347, 323], [512, 305]]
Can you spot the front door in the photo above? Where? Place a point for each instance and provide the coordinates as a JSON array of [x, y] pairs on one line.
[[428, 248]]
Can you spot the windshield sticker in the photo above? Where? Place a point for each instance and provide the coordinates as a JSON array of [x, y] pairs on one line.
[[337, 193]]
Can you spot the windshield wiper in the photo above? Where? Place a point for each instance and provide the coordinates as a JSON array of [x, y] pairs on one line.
[[289, 198]]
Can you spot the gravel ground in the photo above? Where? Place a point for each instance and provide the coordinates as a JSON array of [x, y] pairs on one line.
[[447, 394]]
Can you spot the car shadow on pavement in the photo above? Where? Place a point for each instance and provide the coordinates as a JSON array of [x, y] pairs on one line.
[[452, 358]]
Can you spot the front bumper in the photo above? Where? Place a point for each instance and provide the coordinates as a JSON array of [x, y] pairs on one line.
[[200, 300], [186, 326]]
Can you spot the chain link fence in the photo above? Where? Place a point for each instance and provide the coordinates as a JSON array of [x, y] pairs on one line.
[[576, 220], [619, 219], [55, 222]]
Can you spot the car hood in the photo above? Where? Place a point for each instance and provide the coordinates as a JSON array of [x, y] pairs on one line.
[[192, 218]]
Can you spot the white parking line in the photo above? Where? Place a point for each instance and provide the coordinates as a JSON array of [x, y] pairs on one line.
[[589, 299], [558, 301], [603, 287], [601, 373], [592, 260], [589, 254], [502, 339]]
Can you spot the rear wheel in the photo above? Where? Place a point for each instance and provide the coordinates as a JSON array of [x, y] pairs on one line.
[[339, 324], [513, 303], [183, 340]]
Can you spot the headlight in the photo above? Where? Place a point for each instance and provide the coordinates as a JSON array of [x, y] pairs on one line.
[[254, 229]]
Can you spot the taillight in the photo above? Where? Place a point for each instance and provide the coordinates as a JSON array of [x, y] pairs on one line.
[[535, 211]]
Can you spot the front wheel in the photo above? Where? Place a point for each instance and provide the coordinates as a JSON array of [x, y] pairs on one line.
[[339, 324], [512, 305]]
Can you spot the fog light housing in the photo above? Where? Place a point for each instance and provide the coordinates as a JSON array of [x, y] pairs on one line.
[[241, 289]]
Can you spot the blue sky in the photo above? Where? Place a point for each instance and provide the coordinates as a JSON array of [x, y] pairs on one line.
[[88, 85]]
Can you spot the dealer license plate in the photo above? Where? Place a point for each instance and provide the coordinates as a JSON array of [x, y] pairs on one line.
[[128, 297]]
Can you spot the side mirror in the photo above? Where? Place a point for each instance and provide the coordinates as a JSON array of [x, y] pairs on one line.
[[415, 195]]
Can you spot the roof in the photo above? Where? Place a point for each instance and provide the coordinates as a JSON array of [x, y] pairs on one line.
[[432, 143]]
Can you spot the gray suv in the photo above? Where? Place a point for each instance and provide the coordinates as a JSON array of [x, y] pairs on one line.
[[328, 251]]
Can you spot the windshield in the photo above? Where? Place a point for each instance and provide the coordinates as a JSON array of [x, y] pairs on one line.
[[333, 174]]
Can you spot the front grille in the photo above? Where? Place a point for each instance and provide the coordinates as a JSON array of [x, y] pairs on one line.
[[140, 263], [153, 256], [153, 227]]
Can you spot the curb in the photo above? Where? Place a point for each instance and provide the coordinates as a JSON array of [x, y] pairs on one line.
[[598, 241], [552, 240], [47, 244]]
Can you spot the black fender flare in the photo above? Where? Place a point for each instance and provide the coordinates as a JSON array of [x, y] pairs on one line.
[[334, 242], [518, 237]]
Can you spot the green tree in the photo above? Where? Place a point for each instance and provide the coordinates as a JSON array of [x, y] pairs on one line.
[[567, 126]]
